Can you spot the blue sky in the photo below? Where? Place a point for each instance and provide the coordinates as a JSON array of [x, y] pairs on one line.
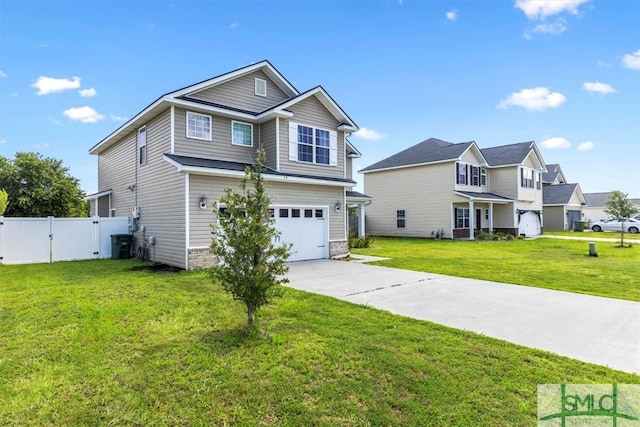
[[565, 74]]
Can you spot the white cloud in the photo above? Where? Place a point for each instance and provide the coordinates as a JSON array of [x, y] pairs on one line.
[[603, 64], [83, 114], [42, 145], [556, 143], [598, 87], [534, 99], [554, 28], [2, 74], [234, 25], [87, 93], [46, 85], [56, 122], [116, 118], [3, 141], [632, 60], [586, 146], [540, 9], [452, 15], [369, 134]]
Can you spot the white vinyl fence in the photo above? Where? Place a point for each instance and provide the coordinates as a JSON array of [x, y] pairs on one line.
[[31, 240]]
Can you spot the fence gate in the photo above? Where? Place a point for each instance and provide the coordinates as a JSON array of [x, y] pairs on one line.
[[31, 240]]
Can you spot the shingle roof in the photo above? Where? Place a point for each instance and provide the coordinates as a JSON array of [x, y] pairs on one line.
[[199, 162], [596, 199], [552, 174], [559, 194], [357, 195], [428, 151], [488, 196], [512, 154]]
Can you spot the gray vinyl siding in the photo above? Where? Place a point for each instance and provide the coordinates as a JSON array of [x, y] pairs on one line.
[[240, 93], [103, 207], [219, 147], [160, 190], [349, 168], [311, 112], [268, 142], [283, 194], [116, 171], [424, 192]]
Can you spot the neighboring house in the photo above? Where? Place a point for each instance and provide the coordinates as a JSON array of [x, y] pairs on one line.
[[440, 189], [562, 202], [563, 205], [596, 203], [169, 165]]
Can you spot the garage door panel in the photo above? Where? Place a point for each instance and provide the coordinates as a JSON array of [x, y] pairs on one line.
[[305, 229]]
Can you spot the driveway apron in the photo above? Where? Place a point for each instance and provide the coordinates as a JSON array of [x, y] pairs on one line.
[[604, 331]]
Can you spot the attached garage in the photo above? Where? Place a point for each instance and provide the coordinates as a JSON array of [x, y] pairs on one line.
[[306, 228], [529, 224]]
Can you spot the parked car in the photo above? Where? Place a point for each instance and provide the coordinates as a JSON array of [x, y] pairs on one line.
[[630, 225]]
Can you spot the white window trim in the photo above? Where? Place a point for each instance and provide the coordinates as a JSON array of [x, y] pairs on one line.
[[187, 126], [143, 129], [293, 145], [260, 84], [233, 142]]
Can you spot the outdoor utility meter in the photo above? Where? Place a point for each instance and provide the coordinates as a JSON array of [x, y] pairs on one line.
[[152, 240]]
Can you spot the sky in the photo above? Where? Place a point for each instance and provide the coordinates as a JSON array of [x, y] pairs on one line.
[[562, 73]]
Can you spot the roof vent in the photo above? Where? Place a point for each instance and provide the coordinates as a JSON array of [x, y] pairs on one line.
[[261, 87]]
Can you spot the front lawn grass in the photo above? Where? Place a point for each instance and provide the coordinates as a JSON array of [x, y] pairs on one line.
[[93, 343], [545, 263], [588, 234]]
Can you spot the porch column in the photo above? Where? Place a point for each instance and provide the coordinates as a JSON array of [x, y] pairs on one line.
[[361, 230], [491, 217], [471, 219]]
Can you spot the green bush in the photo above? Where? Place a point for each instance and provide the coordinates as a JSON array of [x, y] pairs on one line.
[[360, 242]]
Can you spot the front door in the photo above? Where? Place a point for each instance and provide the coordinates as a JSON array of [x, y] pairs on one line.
[[478, 219]]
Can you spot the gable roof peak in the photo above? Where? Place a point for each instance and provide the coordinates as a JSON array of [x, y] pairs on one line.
[[430, 150]]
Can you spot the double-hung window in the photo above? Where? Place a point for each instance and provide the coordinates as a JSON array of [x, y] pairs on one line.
[[526, 178], [401, 218], [198, 126], [461, 173], [309, 144], [483, 177], [462, 218], [475, 175], [242, 134], [142, 145]]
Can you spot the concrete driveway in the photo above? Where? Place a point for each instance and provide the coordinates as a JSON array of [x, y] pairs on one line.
[[604, 331]]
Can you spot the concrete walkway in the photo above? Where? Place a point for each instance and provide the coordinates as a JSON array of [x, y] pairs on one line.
[[604, 331]]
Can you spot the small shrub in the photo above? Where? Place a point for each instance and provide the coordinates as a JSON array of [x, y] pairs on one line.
[[360, 242]]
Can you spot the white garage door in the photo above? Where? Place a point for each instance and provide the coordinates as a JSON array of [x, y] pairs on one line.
[[306, 229], [529, 224]]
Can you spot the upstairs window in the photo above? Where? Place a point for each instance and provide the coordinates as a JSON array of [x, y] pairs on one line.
[[461, 175], [142, 145], [242, 134], [401, 218], [483, 177], [312, 145], [198, 126], [475, 175], [538, 180], [526, 178]]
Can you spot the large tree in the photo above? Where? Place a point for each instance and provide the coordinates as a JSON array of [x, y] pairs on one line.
[[40, 186], [619, 206], [4, 199], [250, 264]]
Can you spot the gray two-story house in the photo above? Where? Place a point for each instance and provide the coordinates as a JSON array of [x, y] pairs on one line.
[[168, 166]]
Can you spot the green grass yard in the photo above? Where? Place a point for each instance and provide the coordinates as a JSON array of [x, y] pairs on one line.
[[546, 263], [588, 234], [94, 343]]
